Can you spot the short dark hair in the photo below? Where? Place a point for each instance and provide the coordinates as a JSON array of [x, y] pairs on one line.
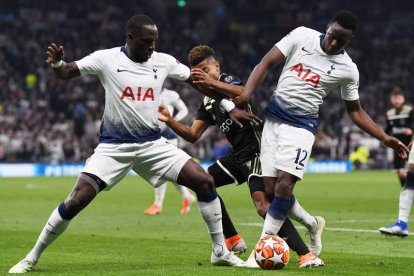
[[397, 91], [200, 53], [136, 22], [347, 20]]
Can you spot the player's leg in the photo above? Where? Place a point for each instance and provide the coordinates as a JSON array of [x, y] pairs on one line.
[[156, 207], [285, 151], [223, 174], [84, 191], [194, 177], [400, 168], [187, 199], [314, 225], [288, 232], [400, 228]]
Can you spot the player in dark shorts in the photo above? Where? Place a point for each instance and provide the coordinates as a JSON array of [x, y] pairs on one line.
[[242, 163], [400, 124]]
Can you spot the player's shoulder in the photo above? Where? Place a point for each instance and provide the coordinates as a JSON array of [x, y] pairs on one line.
[[391, 111], [304, 32], [164, 58], [407, 108]]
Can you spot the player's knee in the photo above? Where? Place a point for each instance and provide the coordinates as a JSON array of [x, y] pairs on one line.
[[204, 185], [284, 187]]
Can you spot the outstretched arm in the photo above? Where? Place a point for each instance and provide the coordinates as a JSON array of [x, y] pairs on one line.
[[190, 134], [364, 121], [203, 80], [259, 73], [62, 69]]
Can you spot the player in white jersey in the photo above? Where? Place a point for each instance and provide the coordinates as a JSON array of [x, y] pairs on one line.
[[175, 105], [130, 138], [315, 64]]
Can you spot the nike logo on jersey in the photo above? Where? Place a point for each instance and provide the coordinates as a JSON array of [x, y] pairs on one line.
[[303, 49], [123, 70]]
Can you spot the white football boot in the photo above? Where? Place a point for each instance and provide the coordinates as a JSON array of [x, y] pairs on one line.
[[228, 259], [25, 265], [315, 235]]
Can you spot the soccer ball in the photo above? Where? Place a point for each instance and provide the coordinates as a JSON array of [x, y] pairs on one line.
[[272, 252]]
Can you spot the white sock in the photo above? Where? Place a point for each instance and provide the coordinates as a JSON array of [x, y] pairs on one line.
[[211, 213], [55, 226], [271, 226], [182, 190], [300, 215], [160, 194], [406, 201]]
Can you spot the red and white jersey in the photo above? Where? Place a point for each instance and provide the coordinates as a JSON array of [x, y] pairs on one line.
[[132, 92], [308, 76]]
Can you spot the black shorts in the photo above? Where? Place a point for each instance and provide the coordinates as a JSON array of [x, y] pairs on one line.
[[229, 169], [399, 163]]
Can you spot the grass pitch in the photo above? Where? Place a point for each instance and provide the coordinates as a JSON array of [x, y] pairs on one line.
[[113, 236]]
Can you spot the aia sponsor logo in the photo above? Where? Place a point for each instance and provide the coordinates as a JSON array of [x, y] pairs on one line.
[[142, 94], [306, 75]]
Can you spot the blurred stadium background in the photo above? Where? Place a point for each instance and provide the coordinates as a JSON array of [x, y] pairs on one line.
[[47, 121]]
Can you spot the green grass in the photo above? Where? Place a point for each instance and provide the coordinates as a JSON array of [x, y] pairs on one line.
[[113, 236]]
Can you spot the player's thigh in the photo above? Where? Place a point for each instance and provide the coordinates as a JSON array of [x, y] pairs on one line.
[[228, 170], [110, 162], [160, 161], [294, 150]]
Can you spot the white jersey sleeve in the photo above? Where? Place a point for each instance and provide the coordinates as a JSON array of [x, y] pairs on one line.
[[176, 69], [349, 86], [92, 64], [288, 44]]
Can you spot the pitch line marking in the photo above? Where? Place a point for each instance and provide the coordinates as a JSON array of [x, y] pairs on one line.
[[254, 224]]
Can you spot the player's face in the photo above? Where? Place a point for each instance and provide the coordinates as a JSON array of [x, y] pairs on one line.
[[336, 38], [397, 101], [141, 44], [210, 66]]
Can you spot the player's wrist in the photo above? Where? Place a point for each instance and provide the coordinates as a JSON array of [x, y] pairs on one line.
[[57, 64], [228, 105]]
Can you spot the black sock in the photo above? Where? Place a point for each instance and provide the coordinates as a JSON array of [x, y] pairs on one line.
[[289, 233], [228, 227]]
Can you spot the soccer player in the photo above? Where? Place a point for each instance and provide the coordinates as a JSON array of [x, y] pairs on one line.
[[315, 64], [175, 105], [130, 138], [242, 163], [400, 123], [400, 228]]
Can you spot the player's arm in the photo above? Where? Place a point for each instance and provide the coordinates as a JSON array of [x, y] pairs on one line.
[[364, 121], [62, 69], [202, 79], [190, 134], [259, 73], [181, 108]]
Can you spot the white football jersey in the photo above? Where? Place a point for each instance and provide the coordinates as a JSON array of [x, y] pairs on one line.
[[132, 92], [309, 75], [172, 101]]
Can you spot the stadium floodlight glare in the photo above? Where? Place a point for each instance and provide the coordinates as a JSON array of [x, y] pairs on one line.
[[181, 3]]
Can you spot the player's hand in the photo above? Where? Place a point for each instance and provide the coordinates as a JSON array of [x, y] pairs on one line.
[[398, 146], [236, 115], [202, 78], [54, 53], [163, 114]]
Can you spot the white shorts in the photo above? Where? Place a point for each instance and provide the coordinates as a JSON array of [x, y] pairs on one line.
[[284, 147], [411, 156], [151, 160]]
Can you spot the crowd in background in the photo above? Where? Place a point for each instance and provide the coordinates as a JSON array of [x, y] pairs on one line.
[[43, 119]]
